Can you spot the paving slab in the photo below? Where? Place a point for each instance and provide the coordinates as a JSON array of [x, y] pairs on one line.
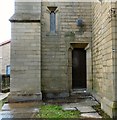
[[71, 105], [82, 102], [14, 106], [86, 109], [69, 109], [10, 114], [30, 109], [88, 102], [20, 110], [90, 115]]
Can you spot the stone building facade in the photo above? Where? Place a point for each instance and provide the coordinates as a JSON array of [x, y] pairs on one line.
[[59, 47], [4, 65], [4, 57], [104, 55]]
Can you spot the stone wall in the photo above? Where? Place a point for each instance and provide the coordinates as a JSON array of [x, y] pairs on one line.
[[27, 7], [57, 47], [114, 25], [26, 53], [103, 55], [42, 60]]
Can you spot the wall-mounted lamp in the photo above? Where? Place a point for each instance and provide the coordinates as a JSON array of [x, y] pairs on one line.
[[81, 26], [80, 22]]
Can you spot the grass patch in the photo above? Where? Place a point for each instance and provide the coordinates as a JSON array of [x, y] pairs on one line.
[[100, 111], [55, 111]]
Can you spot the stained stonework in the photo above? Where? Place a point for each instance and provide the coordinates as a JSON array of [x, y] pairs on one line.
[[41, 60], [25, 53], [55, 46], [103, 55]]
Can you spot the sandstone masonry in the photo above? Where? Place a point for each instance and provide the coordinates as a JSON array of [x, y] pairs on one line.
[[42, 61]]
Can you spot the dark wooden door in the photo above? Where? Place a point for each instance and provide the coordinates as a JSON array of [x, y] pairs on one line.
[[78, 68]]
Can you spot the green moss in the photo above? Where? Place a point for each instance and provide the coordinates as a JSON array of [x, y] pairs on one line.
[[70, 34], [55, 111]]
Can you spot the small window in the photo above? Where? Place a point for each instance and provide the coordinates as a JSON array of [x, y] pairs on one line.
[[52, 22], [8, 70], [52, 11]]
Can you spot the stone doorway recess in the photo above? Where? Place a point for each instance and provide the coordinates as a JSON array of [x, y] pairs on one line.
[[88, 82], [78, 68]]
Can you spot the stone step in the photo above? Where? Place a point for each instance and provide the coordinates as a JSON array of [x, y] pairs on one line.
[[80, 93]]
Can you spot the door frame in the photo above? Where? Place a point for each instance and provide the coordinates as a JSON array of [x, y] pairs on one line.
[[87, 47]]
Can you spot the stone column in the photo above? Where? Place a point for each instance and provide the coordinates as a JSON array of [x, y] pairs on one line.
[[89, 67], [25, 82]]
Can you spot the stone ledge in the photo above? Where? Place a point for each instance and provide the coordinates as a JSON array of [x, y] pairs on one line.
[[55, 95], [25, 17], [14, 98]]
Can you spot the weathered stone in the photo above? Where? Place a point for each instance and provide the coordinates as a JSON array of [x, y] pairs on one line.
[[71, 109], [72, 105], [19, 110], [86, 109], [25, 17], [49, 64], [91, 115]]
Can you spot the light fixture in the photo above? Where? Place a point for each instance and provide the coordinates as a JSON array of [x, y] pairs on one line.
[[80, 22]]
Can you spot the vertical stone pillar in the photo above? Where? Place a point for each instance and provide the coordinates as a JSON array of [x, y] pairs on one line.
[[25, 83], [89, 67]]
